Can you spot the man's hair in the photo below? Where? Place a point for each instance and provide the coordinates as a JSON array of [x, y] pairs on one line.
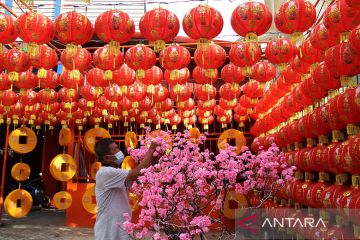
[[102, 148]]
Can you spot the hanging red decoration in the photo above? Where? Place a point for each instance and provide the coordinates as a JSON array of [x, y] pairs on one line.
[[79, 59], [16, 61], [180, 92], [322, 38], [251, 19], [174, 57], [253, 89], [187, 105], [296, 16], [146, 104], [50, 81], [72, 79], [245, 54], [230, 91], [73, 28], [290, 76], [124, 76], [228, 104], [47, 96], [231, 73], [204, 92], [309, 54], [247, 102], [34, 28], [210, 57], [207, 105], [203, 23], [140, 58], [96, 78], [340, 18], [108, 60], [203, 76], [46, 59], [68, 95], [181, 77], [324, 78], [165, 105], [27, 80], [280, 50], [263, 71], [114, 27], [90, 93], [136, 92], [153, 76], [7, 30], [161, 93], [348, 107], [312, 90], [8, 98], [354, 38], [5, 84], [299, 66], [159, 26]]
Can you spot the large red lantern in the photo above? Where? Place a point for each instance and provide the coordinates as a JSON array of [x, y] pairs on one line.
[[207, 105], [114, 27], [47, 96], [350, 155], [7, 29], [159, 26], [203, 76], [72, 79], [174, 57], [50, 81], [299, 66], [180, 92], [96, 78], [348, 107], [68, 95], [308, 53], [181, 76], [296, 16], [46, 59], [124, 76], [290, 76], [312, 90], [136, 92], [203, 23], [106, 59], [340, 18], [140, 58], [280, 50], [263, 71], [27, 80], [324, 78], [253, 89], [229, 91], [210, 57], [5, 84], [204, 91], [161, 93], [73, 28], [322, 38], [251, 19], [90, 93], [231, 73], [16, 61], [79, 59], [354, 38], [8, 98], [245, 54], [228, 104], [153, 76]]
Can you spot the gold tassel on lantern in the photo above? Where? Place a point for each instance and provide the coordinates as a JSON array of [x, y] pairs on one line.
[[71, 49], [140, 73], [348, 81], [159, 45], [210, 73], [174, 74], [33, 50], [42, 73], [108, 75], [114, 47], [13, 76], [251, 37], [202, 42]]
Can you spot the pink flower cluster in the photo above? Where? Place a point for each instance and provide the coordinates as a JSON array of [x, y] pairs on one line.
[[178, 194]]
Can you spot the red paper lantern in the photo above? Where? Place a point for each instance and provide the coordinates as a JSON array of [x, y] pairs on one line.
[[140, 58], [113, 93], [350, 155], [203, 23], [280, 50], [300, 97], [314, 194], [290, 76], [174, 57], [90, 94], [165, 105], [68, 95], [145, 104], [354, 38], [353, 3], [205, 92], [228, 104], [46, 59], [317, 124], [330, 115], [300, 66], [348, 107], [180, 76], [159, 26], [210, 57], [103, 103], [114, 27], [229, 91], [106, 59], [96, 78], [72, 79], [308, 53], [47, 96], [339, 17], [7, 29], [73, 28], [207, 105], [187, 105], [175, 120], [296, 15], [5, 84], [136, 92], [263, 71], [247, 102], [251, 19], [16, 61], [153, 76], [204, 76], [324, 78], [318, 162], [161, 93], [322, 38], [124, 76], [27, 80], [180, 92], [34, 28], [245, 54], [79, 59], [312, 90], [331, 193], [8, 98], [231, 73], [253, 89]]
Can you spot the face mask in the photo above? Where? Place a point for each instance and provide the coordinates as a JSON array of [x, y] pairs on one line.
[[119, 157]]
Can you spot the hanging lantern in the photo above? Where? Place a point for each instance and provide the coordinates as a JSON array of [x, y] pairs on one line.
[[204, 91], [280, 50], [146, 104], [114, 27], [290, 76], [322, 38], [207, 105], [153, 76], [324, 78], [140, 58], [160, 93], [72, 79], [204, 76], [136, 92], [180, 92], [230, 91], [348, 107], [354, 38], [16, 61], [113, 93], [124, 76], [312, 90], [245, 54], [210, 58], [251, 19], [181, 77], [27, 80], [299, 66], [295, 17], [78, 58], [34, 28], [8, 98], [90, 93], [231, 73], [228, 104], [108, 61], [174, 57], [159, 26], [29, 97], [253, 89], [340, 18], [202, 23], [165, 105], [186, 105], [47, 96], [68, 95], [263, 71], [73, 28], [309, 54], [247, 102], [5, 84], [46, 59], [96, 78], [7, 30]]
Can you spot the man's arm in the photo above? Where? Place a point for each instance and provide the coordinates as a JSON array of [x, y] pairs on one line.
[[148, 160]]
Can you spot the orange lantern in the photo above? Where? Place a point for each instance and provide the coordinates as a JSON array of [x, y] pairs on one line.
[[34, 28], [78, 58], [159, 26], [7, 30], [140, 58], [202, 23], [114, 27], [231, 73], [73, 28], [179, 76]]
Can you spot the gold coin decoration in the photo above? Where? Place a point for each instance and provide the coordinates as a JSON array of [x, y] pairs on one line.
[[89, 200], [62, 200], [18, 203], [63, 167], [64, 137], [20, 171], [233, 137], [22, 140], [92, 136]]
